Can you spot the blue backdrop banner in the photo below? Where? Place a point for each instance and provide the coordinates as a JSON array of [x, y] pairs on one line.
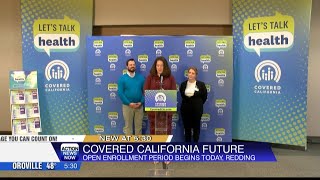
[[271, 47], [211, 55], [53, 43]]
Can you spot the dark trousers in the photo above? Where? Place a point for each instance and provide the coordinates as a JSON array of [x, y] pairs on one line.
[[191, 122], [188, 134]]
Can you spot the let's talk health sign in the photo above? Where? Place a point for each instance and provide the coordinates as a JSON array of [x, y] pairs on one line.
[[263, 34], [56, 35]]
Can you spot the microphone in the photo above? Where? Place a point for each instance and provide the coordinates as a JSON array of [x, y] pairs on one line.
[[161, 81]]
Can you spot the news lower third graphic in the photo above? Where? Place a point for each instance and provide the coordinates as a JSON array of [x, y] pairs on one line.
[[44, 166], [175, 152], [68, 152]]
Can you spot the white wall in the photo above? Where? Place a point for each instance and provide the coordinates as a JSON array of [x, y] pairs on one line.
[[10, 54], [313, 114], [155, 12]]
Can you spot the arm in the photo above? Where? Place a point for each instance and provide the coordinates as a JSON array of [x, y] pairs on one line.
[[182, 89], [122, 96], [204, 93], [173, 83], [147, 83], [147, 86], [142, 89]]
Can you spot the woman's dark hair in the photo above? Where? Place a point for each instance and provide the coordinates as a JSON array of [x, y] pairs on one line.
[[166, 70]]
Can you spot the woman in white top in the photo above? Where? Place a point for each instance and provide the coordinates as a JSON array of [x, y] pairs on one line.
[[194, 95]]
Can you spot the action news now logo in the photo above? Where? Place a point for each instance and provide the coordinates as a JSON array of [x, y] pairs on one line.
[[69, 152]]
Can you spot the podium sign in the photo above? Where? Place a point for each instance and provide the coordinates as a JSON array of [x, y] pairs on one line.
[[160, 100]]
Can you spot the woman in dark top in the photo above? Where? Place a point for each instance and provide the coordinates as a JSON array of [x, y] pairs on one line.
[[194, 95]]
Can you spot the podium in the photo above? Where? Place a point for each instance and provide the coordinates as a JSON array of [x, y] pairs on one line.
[[163, 103]]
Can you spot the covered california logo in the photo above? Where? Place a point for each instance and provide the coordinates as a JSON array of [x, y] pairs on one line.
[[267, 70], [160, 97], [57, 70]]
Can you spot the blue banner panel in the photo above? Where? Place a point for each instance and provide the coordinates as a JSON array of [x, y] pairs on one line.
[[212, 55], [271, 47], [54, 44]]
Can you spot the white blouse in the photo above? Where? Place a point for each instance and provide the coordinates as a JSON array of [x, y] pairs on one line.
[[190, 89]]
